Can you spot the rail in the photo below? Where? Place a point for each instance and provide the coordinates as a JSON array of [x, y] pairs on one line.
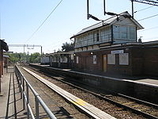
[[25, 87]]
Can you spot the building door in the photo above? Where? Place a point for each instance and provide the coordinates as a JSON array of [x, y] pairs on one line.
[[104, 63]]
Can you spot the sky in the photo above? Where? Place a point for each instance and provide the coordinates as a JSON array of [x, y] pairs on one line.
[[50, 23]]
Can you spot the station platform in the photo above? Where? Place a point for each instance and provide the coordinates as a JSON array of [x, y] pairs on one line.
[[11, 100], [142, 79], [21, 113], [12, 104], [4, 94], [152, 81], [149, 80], [10, 96]]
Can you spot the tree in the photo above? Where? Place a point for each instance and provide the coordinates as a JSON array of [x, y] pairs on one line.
[[35, 58], [67, 47], [16, 57]]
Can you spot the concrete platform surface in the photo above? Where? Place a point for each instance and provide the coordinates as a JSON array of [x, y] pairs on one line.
[[4, 94], [11, 105], [149, 81]]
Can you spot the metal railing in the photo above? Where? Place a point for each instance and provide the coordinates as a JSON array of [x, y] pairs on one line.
[[9, 93], [24, 88]]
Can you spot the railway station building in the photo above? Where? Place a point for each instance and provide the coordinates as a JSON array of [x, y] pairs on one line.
[[45, 59], [59, 59], [111, 46]]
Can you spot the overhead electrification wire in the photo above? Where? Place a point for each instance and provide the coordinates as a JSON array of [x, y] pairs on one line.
[[148, 17], [44, 21], [151, 38], [149, 29], [149, 2], [143, 9]]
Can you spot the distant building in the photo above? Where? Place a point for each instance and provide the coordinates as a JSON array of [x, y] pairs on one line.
[[59, 59], [62, 59], [45, 59]]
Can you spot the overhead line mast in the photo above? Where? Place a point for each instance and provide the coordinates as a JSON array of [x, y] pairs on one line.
[[105, 12], [24, 46], [149, 2]]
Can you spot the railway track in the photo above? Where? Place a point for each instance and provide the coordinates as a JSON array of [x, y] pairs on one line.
[[61, 108], [120, 106], [147, 109]]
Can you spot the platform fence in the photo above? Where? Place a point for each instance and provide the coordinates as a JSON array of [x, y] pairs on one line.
[[25, 88]]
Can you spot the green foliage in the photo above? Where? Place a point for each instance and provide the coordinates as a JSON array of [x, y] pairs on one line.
[[16, 57], [34, 58], [23, 57], [67, 47]]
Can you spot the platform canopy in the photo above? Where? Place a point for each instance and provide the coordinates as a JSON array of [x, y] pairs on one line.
[[3, 45]]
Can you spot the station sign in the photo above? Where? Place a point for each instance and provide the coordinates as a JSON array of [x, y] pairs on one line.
[[117, 51]]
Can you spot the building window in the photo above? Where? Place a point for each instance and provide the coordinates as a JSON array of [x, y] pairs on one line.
[[124, 32], [123, 59], [77, 59], [90, 39], [116, 30], [105, 34], [111, 58], [94, 37], [132, 33], [94, 59], [98, 36], [120, 32]]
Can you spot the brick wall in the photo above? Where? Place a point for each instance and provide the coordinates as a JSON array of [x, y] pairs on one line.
[[143, 60], [151, 61]]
